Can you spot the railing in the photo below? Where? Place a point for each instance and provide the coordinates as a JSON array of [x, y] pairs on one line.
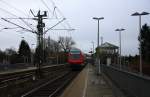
[[131, 84]]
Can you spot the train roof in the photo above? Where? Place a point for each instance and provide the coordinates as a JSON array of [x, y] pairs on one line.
[[75, 49]]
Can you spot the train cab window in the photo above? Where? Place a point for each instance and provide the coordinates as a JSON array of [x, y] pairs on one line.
[[75, 56]]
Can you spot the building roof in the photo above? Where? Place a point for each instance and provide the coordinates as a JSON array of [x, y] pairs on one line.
[[108, 45]]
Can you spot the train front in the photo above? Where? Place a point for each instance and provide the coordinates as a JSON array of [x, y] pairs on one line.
[[76, 59]]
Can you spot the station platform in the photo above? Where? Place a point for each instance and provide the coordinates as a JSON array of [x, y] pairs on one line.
[[88, 84], [16, 70], [24, 69]]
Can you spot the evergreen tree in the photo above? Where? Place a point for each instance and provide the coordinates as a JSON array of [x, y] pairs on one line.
[[145, 43], [24, 51], [2, 56]]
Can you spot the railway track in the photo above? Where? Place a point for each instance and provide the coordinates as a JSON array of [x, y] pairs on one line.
[[16, 83], [53, 87]]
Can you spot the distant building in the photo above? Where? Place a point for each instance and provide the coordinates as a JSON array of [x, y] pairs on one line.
[[108, 53]]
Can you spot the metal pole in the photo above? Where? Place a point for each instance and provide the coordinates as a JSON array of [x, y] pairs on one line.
[[98, 35], [120, 48], [98, 60], [98, 47], [140, 45], [119, 58], [40, 33]]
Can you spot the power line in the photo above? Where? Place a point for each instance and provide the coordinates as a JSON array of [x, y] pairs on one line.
[[64, 17], [17, 25], [3, 25], [27, 24], [54, 25], [16, 18], [55, 9], [13, 7], [8, 12], [54, 12], [46, 5], [60, 13], [18, 10]]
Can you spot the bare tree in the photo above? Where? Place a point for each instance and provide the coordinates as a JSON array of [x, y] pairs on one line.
[[66, 43], [52, 45]]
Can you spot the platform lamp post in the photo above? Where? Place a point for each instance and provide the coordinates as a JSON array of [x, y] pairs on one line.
[[119, 30], [140, 51], [98, 19]]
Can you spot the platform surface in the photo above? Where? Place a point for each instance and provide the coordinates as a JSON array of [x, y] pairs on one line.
[[88, 84], [25, 69]]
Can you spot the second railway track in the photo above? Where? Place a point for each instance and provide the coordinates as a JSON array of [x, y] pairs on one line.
[[53, 87]]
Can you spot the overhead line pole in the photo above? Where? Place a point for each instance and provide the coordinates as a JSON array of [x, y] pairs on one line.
[[40, 33]]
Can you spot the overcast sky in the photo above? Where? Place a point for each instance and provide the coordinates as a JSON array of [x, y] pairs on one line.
[[79, 14]]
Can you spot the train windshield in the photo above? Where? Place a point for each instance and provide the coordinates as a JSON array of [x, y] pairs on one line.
[[75, 56]]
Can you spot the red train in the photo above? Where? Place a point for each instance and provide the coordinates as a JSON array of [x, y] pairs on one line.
[[76, 58]]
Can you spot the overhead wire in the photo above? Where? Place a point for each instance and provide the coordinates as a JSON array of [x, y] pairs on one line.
[[24, 13], [54, 10], [63, 17], [8, 4], [17, 25], [3, 25], [22, 19], [66, 21], [60, 13], [25, 22], [54, 25], [55, 14], [46, 6], [16, 18], [8, 12], [50, 11]]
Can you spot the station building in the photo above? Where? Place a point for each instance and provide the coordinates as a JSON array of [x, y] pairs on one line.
[[108, 53]]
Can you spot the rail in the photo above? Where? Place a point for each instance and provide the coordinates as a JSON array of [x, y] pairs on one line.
[[22, 80], [52, 87]]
